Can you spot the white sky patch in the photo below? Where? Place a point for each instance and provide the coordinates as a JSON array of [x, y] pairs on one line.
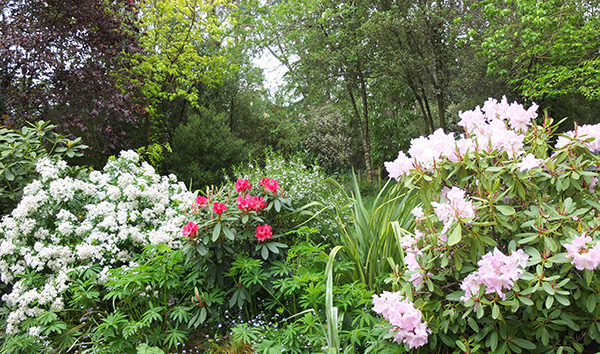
[[273, 71]]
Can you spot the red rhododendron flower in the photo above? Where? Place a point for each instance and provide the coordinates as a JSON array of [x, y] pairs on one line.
[[270, 185], [219, 208], [190, 229], [263, 232], [259, 203], [249, 203], [242, 185], [201, 201]]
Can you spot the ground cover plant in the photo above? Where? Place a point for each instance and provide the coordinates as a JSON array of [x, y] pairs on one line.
[[504, 255]]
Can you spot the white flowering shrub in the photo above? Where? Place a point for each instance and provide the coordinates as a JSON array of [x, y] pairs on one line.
[[504, 257], [303, 184], [64, 226]]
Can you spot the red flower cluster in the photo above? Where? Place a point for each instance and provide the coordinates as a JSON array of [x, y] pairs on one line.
[[219, 208], [269, 184], [190, 230], [200, 201], [242, 185], [263, 232], [249, 203]]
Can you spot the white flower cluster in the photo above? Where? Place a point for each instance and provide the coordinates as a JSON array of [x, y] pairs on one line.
[[64, 224]]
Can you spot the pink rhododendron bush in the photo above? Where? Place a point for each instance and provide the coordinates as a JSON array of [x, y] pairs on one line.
[[505, 254]]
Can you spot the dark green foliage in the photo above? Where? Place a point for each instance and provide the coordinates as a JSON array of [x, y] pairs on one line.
[[20, 151], [202, 148]]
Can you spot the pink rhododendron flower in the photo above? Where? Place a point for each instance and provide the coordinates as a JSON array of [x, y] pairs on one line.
[[190, 229], [219, 208], [404, 317], [418, 212], [581, 133], [242, 185], [270, 185], [399, 167], [263, 232], [200, 201], [529, 162], [498, 126], [582, 256], [457, 207], [497, 272]]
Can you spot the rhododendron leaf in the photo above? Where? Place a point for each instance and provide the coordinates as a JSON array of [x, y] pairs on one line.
[[590, 303], [473, 324], [559, 258], [277, 205], [201, 249], [495, 311], [272, 247], [245, 218], [455, 236], [216, 232], [588, 275], [549, 302], [528, 239], [562, 299], [492, 341], [480, 310], [461, 345], [506, 210], [455, 296], [264, 252], [548, 288], [526, 301], [229, 233], [569, 322]]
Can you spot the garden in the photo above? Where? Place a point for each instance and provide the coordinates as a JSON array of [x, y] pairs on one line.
[[299, 176], [484, 242]]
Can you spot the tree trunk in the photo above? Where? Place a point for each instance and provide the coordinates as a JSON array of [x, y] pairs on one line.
[[441, 108], [366, 147], [366, 137]]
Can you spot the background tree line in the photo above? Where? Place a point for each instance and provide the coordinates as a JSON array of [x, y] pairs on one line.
[[363, 77]]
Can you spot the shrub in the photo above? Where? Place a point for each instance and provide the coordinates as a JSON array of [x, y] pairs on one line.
[[202, 148], [68, 235], [21, 150], [504, 255], [303, 184]]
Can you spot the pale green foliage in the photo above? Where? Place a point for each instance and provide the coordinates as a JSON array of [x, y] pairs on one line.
[[547, 48], [183, 44]]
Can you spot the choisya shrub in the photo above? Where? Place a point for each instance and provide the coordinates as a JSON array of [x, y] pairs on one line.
[[65, 238], [505, 253]]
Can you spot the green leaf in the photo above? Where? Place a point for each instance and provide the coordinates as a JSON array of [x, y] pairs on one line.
[[455, 236], [526, 301], [591, 303], [228, 233], [216, 232], [473, 324], [548, 288], [506, 210], [588, 275], [495, 311], [524, 343]]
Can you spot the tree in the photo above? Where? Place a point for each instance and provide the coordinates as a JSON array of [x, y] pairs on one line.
[[59, 61], [545, 48], [320, 42], [184, 50]]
